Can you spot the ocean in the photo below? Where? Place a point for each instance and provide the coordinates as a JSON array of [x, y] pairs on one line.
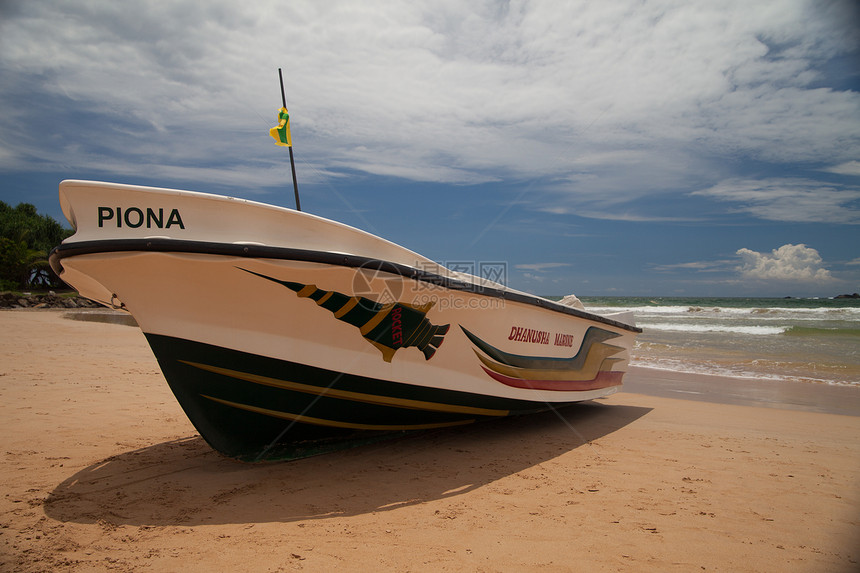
[[805, 340]]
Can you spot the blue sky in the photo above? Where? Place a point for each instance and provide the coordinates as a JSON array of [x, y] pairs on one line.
[[620, 147]]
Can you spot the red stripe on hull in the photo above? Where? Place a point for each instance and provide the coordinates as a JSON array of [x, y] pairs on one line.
[[603, 380]]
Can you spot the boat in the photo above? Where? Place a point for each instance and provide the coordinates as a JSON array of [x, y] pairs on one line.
[[283, 334]]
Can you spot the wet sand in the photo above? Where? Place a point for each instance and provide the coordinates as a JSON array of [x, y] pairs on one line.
[[764, 393], [102, 471]]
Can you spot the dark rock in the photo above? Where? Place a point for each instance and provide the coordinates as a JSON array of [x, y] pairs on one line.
[[50, 300], [855, 295]]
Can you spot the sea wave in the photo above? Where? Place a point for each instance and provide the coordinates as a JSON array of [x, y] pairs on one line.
[[808, 331], [844, 313], [711, 369], [726, 328], [754, 330], [778, 339]]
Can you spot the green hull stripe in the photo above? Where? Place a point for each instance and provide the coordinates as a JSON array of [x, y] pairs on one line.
[[349, 395], [335, 423]]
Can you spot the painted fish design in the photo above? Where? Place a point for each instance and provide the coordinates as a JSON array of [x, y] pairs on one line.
[[389, 327]]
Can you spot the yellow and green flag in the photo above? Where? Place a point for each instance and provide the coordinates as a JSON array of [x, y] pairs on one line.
[[281, 133]]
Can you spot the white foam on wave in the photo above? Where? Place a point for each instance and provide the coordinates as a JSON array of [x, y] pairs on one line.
[[675, 365], [639, 310], [847, 313], [694, 311], [728, 328]]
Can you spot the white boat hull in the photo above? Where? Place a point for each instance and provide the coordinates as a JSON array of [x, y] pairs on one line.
[[311, 330]]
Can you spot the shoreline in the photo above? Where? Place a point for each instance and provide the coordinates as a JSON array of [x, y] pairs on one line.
[[103, 471], [716, 388], [757, 392], [695, 386]]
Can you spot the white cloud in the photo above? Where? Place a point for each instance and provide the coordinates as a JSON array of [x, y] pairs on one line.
[[847, 168], [787, 263], [795, 200], [606, 101], [616, 215], [540, 267], [697, 266]]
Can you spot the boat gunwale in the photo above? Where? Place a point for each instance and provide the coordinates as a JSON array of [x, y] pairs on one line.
[[165, 245]]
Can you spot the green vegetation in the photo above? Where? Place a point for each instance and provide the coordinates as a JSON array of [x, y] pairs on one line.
[[26, 238]]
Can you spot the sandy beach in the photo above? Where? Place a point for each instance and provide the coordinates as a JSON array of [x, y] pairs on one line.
[[102, 471]]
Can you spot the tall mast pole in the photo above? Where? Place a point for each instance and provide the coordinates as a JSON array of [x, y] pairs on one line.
[[292, 161]]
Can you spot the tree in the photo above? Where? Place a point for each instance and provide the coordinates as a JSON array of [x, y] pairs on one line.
[[26, 238]]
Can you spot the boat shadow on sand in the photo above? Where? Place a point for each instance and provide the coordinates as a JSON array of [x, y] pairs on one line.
[[184, 482]]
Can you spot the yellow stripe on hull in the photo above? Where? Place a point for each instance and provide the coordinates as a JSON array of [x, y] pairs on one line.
[[346, 308], [335, 423], [350, 395], [597, 359]]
